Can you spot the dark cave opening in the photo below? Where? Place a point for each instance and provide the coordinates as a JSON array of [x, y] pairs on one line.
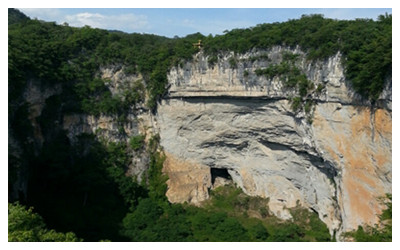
[[219, 173]]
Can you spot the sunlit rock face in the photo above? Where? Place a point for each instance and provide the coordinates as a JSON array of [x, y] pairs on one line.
[[224, 116], [357, 141]]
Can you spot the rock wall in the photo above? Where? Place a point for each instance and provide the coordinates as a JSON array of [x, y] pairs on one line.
[[199, 78], [357, 142], [224, 116], [34, 97], [139, 120], [223, 119]]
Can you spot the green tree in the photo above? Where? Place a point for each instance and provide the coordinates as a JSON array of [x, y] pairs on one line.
[[288, 232], [258, 232], [139, 225], [136, 142], [25, 225]]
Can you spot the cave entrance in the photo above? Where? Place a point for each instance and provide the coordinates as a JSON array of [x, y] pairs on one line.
[[220, 177]]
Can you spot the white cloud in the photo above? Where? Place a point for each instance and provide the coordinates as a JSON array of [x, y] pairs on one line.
[[82, 19], [42, 13], [128, 22]]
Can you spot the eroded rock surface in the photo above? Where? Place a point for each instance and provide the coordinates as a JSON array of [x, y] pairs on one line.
[[224, 117], [260, 143], [357, 141]]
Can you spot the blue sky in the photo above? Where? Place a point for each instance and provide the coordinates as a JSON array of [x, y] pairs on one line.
[[181, 22]]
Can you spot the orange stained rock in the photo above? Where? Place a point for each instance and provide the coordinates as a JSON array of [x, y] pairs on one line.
[[248, 184], [383, 121], [188, 181], [360, 157], [382, 158], [362, 122], [362, 203]]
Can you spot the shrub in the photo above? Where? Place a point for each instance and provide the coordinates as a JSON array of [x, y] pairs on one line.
[[233, 62], [289, 56], [319, 89], [296, 103], [263, 212], [212, 60], [136, 142], [287, 232], [308, 106], [258, 232]]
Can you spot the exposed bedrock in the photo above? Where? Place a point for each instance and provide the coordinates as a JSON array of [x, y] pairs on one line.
[[266, 151], [218, 117]]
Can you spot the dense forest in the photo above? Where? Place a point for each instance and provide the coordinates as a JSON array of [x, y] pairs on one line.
[[119, 208]]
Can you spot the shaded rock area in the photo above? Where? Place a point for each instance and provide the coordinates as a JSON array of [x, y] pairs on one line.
[[220, 177], [36, 96]]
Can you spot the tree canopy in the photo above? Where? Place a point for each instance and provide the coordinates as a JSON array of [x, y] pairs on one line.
[[27, 226], [56, 53]]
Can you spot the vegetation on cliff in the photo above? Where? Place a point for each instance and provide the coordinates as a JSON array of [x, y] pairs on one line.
[[292, 78], [366, 45], [82, 187]]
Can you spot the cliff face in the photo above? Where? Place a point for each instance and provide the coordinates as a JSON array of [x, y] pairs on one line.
[[138, 120], [224, 121]]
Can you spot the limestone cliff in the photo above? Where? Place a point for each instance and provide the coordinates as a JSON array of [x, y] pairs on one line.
[[221, 122], [108, 127], [225, 117], [35, 97]]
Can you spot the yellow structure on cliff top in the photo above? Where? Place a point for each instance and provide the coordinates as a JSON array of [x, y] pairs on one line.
[[198, 44]]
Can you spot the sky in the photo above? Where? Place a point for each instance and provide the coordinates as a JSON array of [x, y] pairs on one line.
[[180, 22]]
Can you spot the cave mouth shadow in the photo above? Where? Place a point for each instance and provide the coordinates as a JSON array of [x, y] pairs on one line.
[[221, 173]]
